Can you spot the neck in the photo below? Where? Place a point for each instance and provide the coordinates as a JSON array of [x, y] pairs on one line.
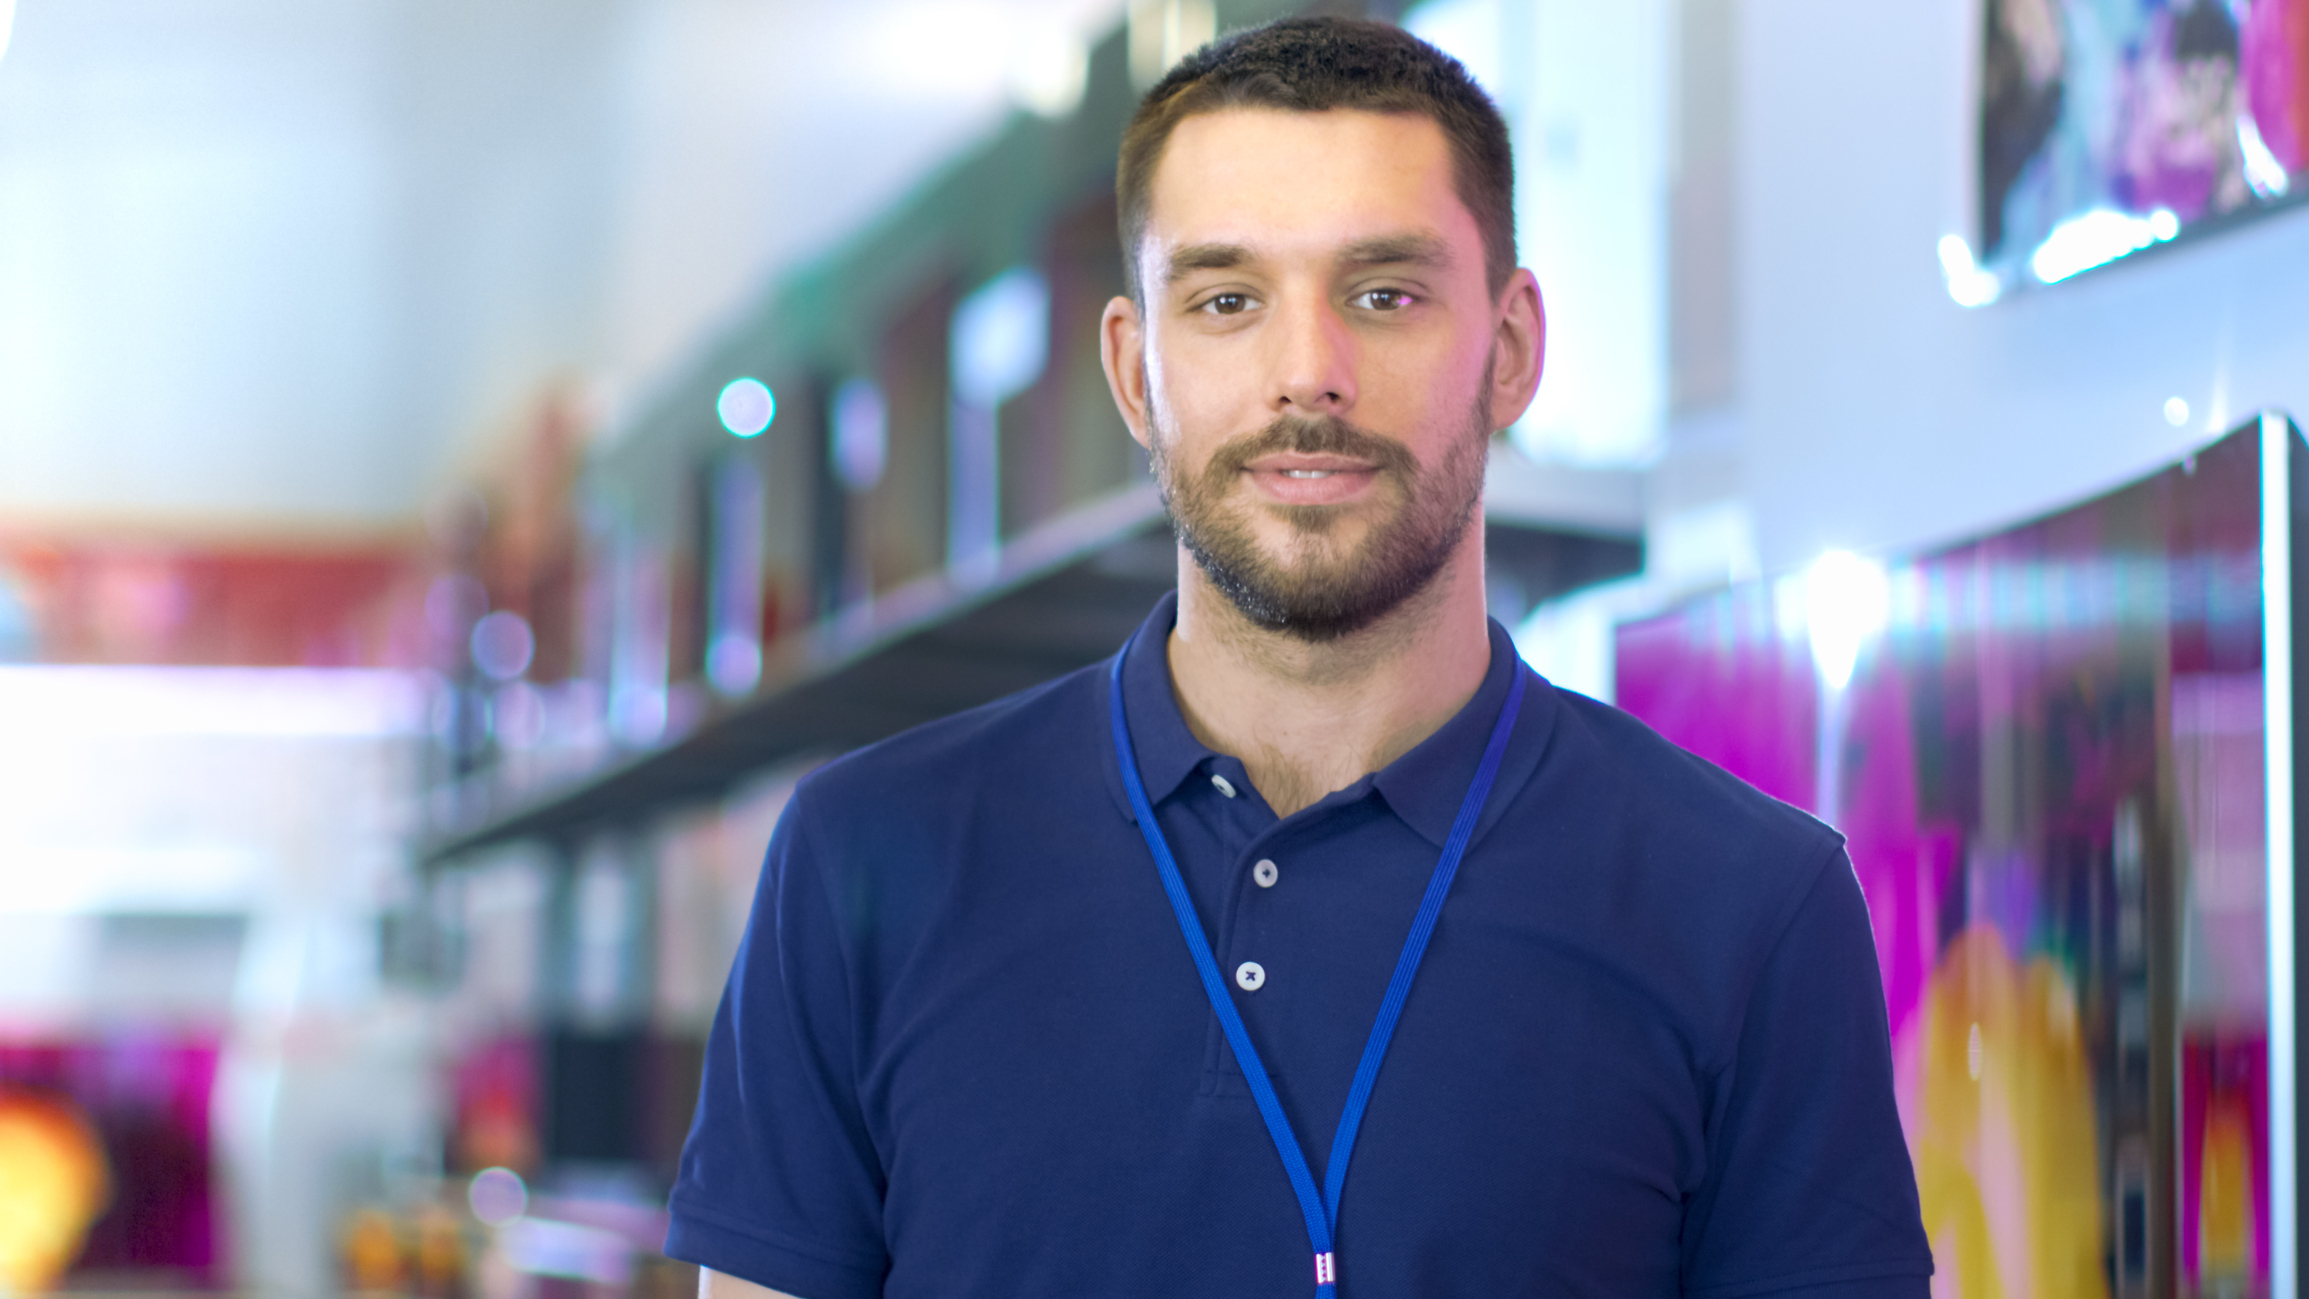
[[1306, 718]]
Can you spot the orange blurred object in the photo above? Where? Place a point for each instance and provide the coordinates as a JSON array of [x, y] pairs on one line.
[[53, 1184], [2225, 1222], [372, 1251], [441, 1253]]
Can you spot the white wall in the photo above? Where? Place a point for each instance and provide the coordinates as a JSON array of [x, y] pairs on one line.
[[1585, 91], [200, 182], [1876, 411], [268, 264]]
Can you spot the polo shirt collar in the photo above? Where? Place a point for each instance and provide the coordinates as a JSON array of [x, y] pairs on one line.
[[1424, 787], [1168, 752]]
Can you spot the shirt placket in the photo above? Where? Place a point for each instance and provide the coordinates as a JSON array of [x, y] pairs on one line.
[[1236, 819], [1256, 849]]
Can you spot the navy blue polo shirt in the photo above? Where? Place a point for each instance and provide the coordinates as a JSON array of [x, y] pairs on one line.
[[964, 1051]]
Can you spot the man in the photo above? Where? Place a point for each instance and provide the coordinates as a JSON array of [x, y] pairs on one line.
[[1118, 987]]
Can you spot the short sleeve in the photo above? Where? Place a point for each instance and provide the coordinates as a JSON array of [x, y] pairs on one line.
[[780, 1182], [1809, 1188]]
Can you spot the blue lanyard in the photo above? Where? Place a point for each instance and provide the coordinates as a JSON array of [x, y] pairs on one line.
[[1322, 1211]]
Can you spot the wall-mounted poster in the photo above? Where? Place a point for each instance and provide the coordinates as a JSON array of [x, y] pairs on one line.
[[2049, 750], [2108, 126]]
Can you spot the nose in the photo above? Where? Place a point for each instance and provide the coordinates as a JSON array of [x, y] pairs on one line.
[[1314, 361]]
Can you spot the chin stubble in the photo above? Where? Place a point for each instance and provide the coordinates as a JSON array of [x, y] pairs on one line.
[[1323, 597]]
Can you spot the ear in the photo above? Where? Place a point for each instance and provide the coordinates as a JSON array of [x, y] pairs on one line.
[[1122, 350], [1519, 349]]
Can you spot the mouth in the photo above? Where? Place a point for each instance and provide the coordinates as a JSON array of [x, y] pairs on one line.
[[1301, 478]]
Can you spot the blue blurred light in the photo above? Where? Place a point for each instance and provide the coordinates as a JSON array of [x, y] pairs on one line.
[[2263, 172], [503, 645], [747, 407], [861, 434], [498, 1196], [1001, 337], [1968, 283], [2097, 238]]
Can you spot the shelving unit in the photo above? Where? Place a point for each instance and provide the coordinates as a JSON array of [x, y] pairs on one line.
[[1060, 597]]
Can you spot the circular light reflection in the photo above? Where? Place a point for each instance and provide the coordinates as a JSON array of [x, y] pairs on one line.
[[747, 407], [503, 645], [2176, 411], [498, 1196]]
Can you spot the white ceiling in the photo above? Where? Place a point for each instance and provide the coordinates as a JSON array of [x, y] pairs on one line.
[[278, 264]]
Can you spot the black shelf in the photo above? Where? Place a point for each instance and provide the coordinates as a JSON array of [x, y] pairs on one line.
[[1062, 597]]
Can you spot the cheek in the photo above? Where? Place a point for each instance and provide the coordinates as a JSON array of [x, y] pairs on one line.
[[1189, 395], [1422, 385]]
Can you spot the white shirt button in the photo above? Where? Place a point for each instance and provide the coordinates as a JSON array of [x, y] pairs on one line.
[[1265, 873], [1250, 976], [1223, 785]]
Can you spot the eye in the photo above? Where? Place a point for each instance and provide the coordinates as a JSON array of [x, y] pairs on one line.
[[1227, 304], [1384, 299]]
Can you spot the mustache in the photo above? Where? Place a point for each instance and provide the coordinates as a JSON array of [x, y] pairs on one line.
[[1321, 435]]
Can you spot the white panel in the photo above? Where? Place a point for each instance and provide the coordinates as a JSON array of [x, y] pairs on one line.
[[1593, 155], [1585, 90], [1881, 414], [2277, 664]]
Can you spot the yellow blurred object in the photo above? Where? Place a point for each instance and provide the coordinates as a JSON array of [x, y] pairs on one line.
[[53, 1184], [441, 1252], [372, 1251], [2225, 1213], [2006, 1162]]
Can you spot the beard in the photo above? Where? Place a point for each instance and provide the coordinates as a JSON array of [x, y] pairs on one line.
[[1313, 590]]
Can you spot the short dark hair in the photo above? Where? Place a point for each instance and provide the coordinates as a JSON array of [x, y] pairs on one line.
[[1313, 64]]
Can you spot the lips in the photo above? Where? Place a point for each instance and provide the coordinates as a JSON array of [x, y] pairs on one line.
[[1303, 478]]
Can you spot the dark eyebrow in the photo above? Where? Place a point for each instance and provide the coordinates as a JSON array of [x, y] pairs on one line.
[[1398, 250], [1206, 257], [1417, 249]]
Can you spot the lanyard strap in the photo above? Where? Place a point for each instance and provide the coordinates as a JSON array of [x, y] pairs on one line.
[[1321, 1210]]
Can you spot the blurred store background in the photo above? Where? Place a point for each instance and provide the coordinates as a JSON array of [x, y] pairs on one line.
[[461, 463]]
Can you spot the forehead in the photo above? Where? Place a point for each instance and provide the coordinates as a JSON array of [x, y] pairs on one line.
[[1278, 179]]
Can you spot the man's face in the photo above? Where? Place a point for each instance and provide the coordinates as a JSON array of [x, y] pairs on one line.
[[1318, 362]]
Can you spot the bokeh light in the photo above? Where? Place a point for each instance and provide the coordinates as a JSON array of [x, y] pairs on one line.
[[53, 1183], [498, 1196], [747, 406], [503, 645], [861, 434]]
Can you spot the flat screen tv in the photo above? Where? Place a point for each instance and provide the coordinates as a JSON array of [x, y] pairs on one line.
[[2110, 126], [2063, 756]]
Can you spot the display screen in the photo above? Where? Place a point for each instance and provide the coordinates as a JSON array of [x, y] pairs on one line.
[[141, 1102], [2107, 126], [2047, 749]]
